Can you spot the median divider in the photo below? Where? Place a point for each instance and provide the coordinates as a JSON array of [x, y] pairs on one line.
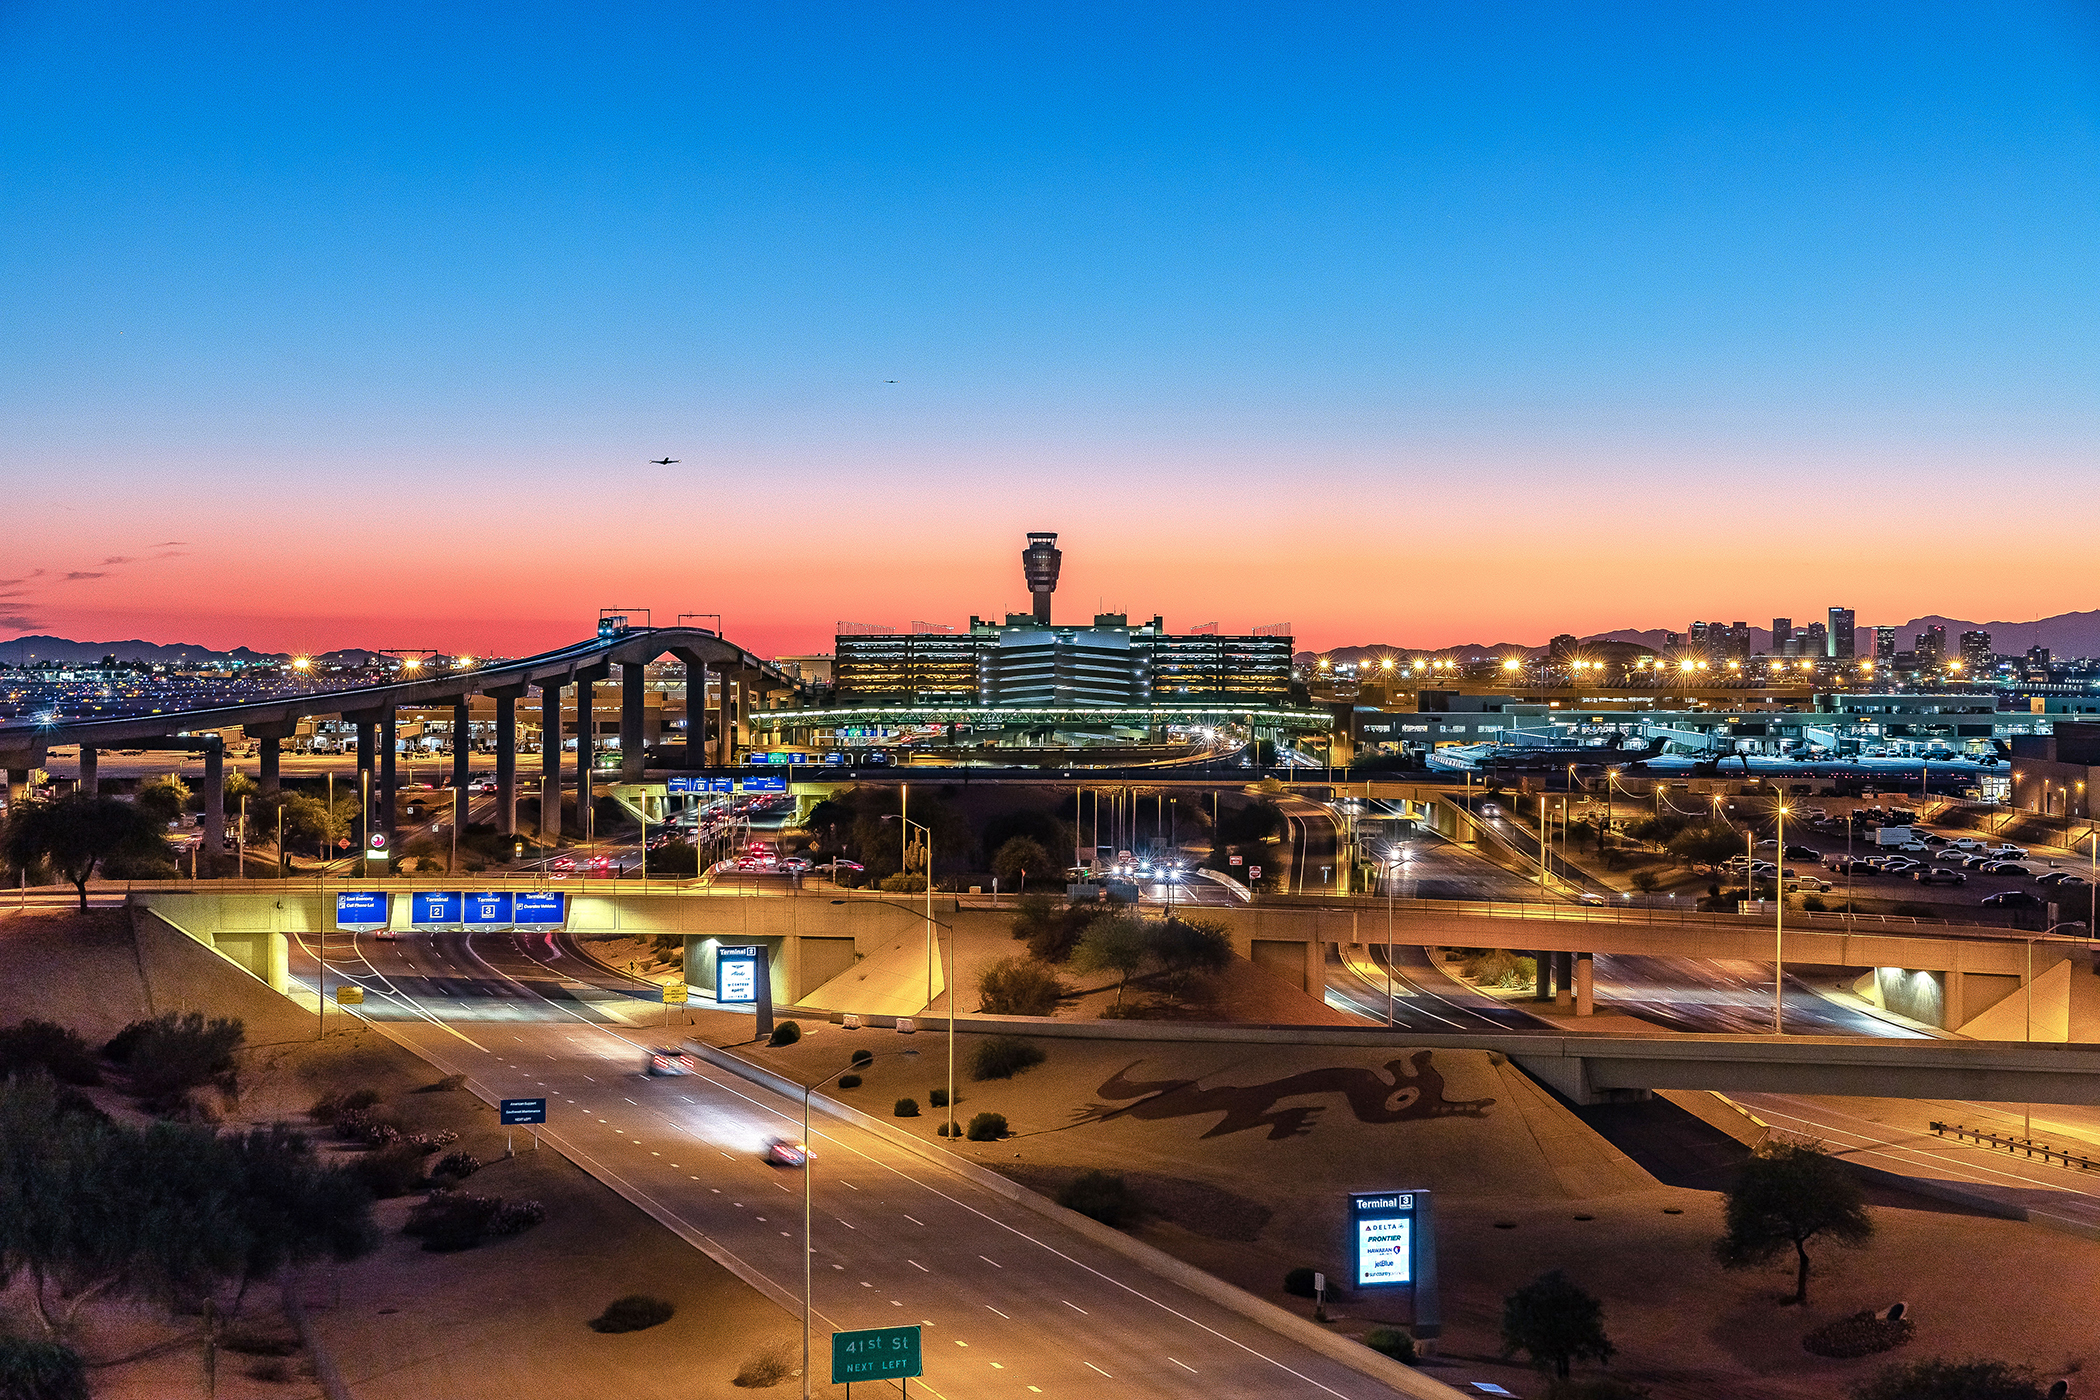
[[1262, 1313]]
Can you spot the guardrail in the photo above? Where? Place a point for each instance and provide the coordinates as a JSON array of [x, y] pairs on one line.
[[2025, 1146]]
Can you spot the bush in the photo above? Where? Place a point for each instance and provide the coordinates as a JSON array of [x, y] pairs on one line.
[[448, 1221], [1299, 1283], [457, 1165], [1940, 1379], [786, 1033], [904, 884], [516, 1217], [38, 1370], [59, 1052], [1098, 1195], [768, 1368], [446, 1085], [389, 1171], [633, 1313], [1862, 1334], [907, 1108], [427, 1143], [1390, 1341], [1003, 1056], [862, 1057], [1499, 968], [987, 1127], [849, 1081], [1018, 986], [937, 1097], [170, 1055]]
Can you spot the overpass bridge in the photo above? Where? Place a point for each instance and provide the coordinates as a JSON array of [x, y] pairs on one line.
[[371, 709]]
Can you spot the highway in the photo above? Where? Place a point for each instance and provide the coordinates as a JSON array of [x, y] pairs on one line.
[[1013, 1304]]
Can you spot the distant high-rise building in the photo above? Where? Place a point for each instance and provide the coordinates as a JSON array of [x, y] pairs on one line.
[[1976, 652], [1815, 640], [1930, 646], [1782, 633], [1841, 633], [1884, 644], [1561, 648], [2037, 664]]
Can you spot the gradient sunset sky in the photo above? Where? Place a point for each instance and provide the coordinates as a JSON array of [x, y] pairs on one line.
[[1412, 323]]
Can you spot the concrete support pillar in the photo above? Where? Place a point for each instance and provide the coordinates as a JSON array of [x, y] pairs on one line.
[[383, 791], [725, 725], [214, 810], [17, 787], [695, 714], [367, 746], [633, 743], [89, 783], [268, 753], [1563, 978], [740, 732], [1542, 989], [507, 764], [1585, 984], [462, 749], [550, 765], [586, 722]]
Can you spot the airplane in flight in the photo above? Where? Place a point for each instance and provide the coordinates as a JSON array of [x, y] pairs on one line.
[[663, 461]]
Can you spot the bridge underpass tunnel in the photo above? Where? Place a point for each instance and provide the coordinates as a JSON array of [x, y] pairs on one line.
[[2061, 1003]]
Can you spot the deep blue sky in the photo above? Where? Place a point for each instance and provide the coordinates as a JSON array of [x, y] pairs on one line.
[[1792, 299]]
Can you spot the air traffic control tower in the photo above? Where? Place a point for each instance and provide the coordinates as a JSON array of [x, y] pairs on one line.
[[1039, 562]]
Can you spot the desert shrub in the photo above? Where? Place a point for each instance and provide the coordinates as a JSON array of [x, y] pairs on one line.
[[1862, 1334], [59, 1052], [368, 1126], [1939, 1379], [906, 1108], [849, 1081], [1391, 1341], [862, 1057], [427, 1143], [901, 883], [516, 1217], [447, 1221], [1018, 986], [171, 1055], [1002, 1057], [1100, 1195], [987, 1127], [1299, 1283], [937, 1097], [1498, 967], [446, 1085], [457, 1165], [633, 1313], [1813, 903], [387, 1172], [786, 1033], [769, 1368], [40, 1370]]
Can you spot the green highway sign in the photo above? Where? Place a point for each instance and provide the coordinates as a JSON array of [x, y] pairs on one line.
[[880, 1353]]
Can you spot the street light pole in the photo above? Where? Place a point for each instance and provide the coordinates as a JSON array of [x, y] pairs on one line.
[[927, 832], [1779, 931]]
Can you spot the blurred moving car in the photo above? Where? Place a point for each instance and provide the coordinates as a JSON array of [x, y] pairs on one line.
[[671, 1061], [786, 1152]]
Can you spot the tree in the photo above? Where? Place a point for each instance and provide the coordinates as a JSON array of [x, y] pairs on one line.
[[1018, 856], [1258, 820], [1018, 987], [1183, 947], [1556, 1322], [1790, 1194], [76, 833], [1705, 844], [1118, 944], [164, 799], [1646, 881]]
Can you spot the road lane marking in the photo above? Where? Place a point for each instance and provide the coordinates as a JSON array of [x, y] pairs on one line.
[[1184, 1366], [988, 1305], [1075, 1307], [1096, 1369], [917, 1265], [993, 1262], [920, 1223]]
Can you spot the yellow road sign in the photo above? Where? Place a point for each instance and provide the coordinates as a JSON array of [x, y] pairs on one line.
[[674, 994], [349, 996]]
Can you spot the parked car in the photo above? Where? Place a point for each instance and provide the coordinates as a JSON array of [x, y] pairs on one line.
[[2011, 899], [482, 785], [2006, 867], [1966, 843], [1802, 853], [1939, 875], [1977, 862], [2009, 851]]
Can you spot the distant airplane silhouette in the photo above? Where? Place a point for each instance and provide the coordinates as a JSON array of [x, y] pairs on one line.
[[889, 381], [663, 461]]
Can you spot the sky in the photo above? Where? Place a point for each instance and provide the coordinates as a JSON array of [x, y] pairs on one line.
[[1404, 323]]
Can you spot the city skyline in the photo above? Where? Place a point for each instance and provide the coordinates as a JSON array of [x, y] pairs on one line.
[[1473, 327]]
